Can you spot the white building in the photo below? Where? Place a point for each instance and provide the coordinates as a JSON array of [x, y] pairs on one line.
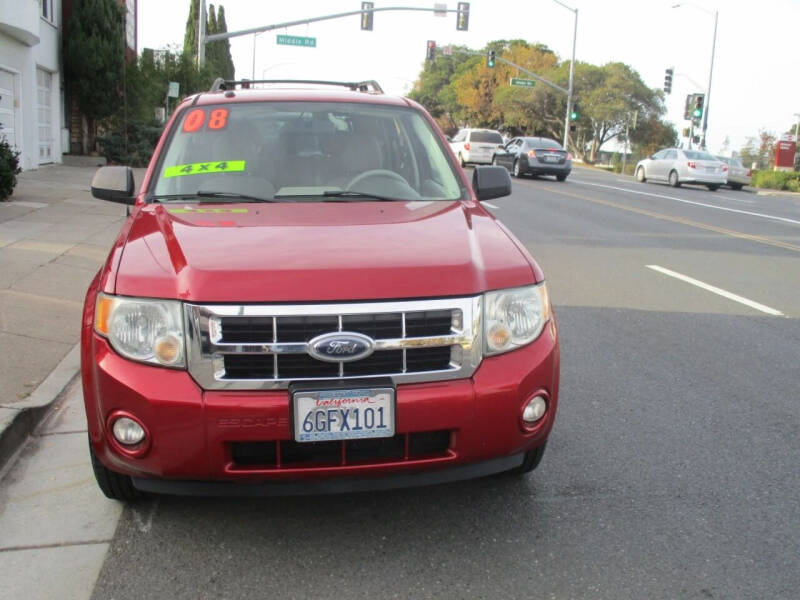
[[31, 98]]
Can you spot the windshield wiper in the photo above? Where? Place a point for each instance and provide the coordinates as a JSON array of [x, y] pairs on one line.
[[361, 195], [212, 196]]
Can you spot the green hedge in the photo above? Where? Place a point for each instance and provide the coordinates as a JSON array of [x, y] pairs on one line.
[[9, 169], [777, 180]]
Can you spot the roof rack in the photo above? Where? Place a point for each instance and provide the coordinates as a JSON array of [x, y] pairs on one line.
[[369, 87]]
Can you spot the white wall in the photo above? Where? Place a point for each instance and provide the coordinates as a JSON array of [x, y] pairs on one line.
[[22, 60]]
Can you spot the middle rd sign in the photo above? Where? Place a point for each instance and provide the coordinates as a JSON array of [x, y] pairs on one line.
[[522, 82]]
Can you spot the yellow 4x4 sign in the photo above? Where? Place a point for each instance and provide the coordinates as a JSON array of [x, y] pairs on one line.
[[224, 166]]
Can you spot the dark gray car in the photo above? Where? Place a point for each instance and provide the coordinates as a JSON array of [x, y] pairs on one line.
[[534, 156]]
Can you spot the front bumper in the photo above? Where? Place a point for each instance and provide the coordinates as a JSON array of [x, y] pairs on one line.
[[192, 431]]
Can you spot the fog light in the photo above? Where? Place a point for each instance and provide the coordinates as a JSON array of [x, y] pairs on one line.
[[534, 410], [128, 432]]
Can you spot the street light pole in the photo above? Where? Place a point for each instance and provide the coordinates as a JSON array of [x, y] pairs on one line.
[[571, 74], [710, 71]]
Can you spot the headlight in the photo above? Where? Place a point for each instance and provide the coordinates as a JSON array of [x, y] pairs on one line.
[[142, 329], [514, 317]]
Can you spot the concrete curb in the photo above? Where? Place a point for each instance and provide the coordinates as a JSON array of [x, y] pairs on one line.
[[17, 421]]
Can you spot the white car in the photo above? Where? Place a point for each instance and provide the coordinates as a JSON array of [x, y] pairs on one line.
[[738, 175], [476, 146], [676, 166]]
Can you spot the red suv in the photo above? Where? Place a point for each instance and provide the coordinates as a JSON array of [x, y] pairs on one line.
[[308, 297]]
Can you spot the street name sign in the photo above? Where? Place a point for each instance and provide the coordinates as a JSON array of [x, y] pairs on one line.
[[522, 82], [296, 40]]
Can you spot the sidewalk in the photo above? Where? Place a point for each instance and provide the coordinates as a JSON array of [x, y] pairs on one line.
[[53, 238]]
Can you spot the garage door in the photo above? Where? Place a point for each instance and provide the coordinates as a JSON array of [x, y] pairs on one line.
[[7, 108], [44, 83]]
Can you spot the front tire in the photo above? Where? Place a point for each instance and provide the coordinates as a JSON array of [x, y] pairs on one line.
[[517, 170], [114, 485], [673, 179], [531, 461], [640, 176]]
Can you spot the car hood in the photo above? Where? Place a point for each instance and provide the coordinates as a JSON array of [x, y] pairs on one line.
[[331, 251]]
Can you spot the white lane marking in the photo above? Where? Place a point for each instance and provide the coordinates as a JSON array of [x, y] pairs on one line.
[[490, 205], [733, 210], [719, 291], [734, 199]]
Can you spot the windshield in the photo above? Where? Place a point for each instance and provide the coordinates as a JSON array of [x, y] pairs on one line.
[[698, 155], [293, 151], [488, 137], [543, 143]]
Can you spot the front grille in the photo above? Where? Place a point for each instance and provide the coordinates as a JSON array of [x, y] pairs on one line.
[[290, 366], [290, 454], [267, 347]]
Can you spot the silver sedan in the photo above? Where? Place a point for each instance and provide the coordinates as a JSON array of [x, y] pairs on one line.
[[738, 175], [676, 166]]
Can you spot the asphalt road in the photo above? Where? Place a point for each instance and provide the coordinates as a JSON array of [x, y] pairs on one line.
[[672, 471]]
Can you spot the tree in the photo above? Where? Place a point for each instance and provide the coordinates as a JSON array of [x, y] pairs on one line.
[[93, 60], [433, 90], [190, 37], [225, 60]]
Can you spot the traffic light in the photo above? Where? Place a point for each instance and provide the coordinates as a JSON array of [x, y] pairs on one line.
[[699, 100], [431, 50], [576, 112], [687, 109], [366, 17], [462, 16], [668, 80], [491, 55]]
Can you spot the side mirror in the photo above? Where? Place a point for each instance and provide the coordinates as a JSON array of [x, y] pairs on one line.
[[491, 182], [114, 184]]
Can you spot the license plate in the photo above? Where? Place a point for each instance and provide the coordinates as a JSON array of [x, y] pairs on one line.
[[551, 159], [330, 415]]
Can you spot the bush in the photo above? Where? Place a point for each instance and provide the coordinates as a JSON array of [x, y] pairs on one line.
[[142, 139], [777, 180], [9, 169]]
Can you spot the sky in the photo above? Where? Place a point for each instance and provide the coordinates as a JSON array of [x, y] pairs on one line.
[[756, 76]]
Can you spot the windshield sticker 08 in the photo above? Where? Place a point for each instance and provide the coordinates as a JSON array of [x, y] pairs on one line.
[[224, 166]]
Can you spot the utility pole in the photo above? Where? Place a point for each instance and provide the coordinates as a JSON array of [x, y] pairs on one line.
[[201, 36], [571, 74]]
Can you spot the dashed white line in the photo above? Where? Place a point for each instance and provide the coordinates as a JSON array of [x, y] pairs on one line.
[[733, 210], [490, 205], [718, 291]]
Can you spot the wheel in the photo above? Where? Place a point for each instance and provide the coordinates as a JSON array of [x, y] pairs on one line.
[[713, 187], [517, 170], [461, 160], [561, 177], [673, 179], [114, 485], [376, 173], [640, 175], [736, 186], [531, 461]]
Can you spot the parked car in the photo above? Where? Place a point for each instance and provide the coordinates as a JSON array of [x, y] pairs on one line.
[[308, 296], [534, 156], [476, 146], [738, 175], [677, 166]]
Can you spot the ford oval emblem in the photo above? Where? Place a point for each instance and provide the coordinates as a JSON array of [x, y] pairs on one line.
[[342, 346]]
